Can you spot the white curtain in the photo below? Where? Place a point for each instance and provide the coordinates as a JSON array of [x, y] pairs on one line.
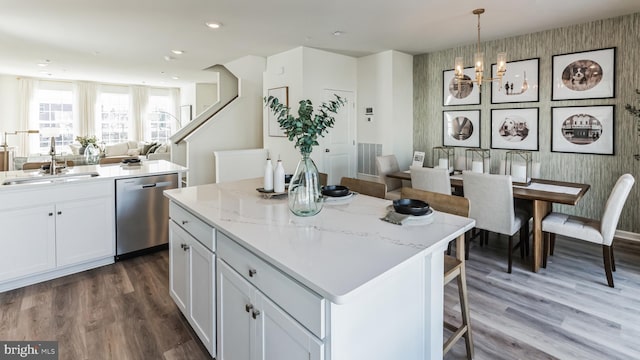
[[139, 105], [86, 96], [27, 116]]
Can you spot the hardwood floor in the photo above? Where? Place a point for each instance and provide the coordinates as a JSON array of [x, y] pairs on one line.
[[120, 311], [567, 311]]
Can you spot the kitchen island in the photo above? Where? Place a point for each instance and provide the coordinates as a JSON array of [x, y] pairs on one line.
[[341, 285], [55, 225]]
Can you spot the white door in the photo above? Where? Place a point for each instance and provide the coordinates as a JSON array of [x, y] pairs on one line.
[[340, 143], [202, 297]]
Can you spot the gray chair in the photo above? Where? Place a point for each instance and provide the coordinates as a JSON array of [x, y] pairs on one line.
[[491, 205], [598, 232], [431, 179], [385, 165]]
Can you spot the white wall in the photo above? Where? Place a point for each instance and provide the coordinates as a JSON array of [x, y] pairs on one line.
[[385, 83], [206, 95], [237, 126], [9, 108], [307, 72]]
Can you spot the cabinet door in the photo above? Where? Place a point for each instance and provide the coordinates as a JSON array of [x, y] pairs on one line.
[[280, 337], [202, 304], [178, 266], [235, 325], [84, 230], [28, 241]]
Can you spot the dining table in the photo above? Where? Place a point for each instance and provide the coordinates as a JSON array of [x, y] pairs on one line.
[[542, 193]]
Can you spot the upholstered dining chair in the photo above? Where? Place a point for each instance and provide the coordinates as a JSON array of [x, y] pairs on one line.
[[388, 164], [365, 187], [454, 266], [431, 179], [598, 232], [491, 205]]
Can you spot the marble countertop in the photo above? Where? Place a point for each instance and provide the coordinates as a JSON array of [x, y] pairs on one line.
[[106, 172], [344, 248]]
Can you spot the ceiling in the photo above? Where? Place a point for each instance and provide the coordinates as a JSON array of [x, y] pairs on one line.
[[129, 41]]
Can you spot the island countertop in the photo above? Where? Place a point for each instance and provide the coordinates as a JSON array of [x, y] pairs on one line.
[[105, 172], [336, 253]]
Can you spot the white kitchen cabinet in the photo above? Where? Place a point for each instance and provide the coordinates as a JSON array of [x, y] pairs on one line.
[[27, 248], [51, 233], [252, 327], [192, 275], [84, 230]]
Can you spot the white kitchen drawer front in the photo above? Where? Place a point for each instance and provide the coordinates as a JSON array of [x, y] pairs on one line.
[[194, 226], [305, 306]]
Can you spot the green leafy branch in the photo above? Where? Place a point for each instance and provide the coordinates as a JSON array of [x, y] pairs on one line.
[[635, 112], [305, 129]]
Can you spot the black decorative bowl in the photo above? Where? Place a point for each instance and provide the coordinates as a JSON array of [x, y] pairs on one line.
[[410, 207], [130, 161], [335, 190], [287, 178]]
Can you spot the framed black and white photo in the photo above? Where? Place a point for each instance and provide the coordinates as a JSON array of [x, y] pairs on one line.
[[515, 129], [461, 128], [519, 83], [584, 75], [583, 129], [464, 92], [418, 158], [282, 94]]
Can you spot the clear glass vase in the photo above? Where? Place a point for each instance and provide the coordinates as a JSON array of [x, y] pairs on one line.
[[305, 193]]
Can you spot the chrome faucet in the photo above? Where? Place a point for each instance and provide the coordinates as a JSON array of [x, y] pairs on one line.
[[52, 152]]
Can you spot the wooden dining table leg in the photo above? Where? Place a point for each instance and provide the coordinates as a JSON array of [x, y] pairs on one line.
[[540, 210]]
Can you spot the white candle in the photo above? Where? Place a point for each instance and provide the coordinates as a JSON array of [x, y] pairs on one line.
[[443, 163], [460, 163], [487, 165], [477, 167], [519, 172]]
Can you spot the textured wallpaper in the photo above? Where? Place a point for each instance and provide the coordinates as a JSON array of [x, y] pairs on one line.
[[600, 171]]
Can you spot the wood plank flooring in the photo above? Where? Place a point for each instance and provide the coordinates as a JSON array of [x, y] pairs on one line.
[[120, 311], [123, 311]]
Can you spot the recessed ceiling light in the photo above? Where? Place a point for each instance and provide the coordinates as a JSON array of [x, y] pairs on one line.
[[177, 52], [213, 25], [175, 77], [338, 33], [168, 58], [44, 63]]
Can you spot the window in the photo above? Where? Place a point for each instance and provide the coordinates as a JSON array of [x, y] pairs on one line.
[[161, 122], [113, 121], [55, 118]]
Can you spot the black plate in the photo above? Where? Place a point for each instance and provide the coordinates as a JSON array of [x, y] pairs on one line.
[[335, 190], [410, 207], [130, 161], [287, 178]]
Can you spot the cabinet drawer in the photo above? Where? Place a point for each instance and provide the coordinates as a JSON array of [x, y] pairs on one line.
[[194, 226], [305, 306]]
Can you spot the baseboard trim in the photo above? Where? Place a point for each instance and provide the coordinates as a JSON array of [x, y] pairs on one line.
[[627, 235]]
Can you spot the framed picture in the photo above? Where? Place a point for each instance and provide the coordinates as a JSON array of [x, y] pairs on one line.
[[185, 114], [583, 129], [460, 93], [519, 83], [461, 128], [282, 94], [515, 129], [418, 158], [584, 75]]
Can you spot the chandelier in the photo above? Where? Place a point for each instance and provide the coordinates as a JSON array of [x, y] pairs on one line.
[[479, 63]]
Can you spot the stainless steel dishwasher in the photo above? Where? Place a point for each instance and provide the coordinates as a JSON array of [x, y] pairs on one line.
[[142, 214]]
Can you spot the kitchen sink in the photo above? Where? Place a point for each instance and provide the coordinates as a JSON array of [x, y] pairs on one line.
[[48, 179]]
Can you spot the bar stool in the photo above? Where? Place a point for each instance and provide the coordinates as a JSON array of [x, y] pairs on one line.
[[454, 267]]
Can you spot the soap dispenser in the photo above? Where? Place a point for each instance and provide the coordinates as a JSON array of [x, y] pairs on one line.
[[278, 177], [268, 175]]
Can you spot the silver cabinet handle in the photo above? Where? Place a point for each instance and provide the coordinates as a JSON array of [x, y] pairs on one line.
[[252, 272], [59, 212], [184, 222], [248, 307], [255, 313], [50, 214], [184, 247]]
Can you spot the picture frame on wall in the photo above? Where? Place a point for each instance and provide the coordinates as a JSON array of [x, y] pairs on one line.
[[282, 94], [515, 129], [584, 75], [463, 93], [583, 129], [519, 83], [461, 128]]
